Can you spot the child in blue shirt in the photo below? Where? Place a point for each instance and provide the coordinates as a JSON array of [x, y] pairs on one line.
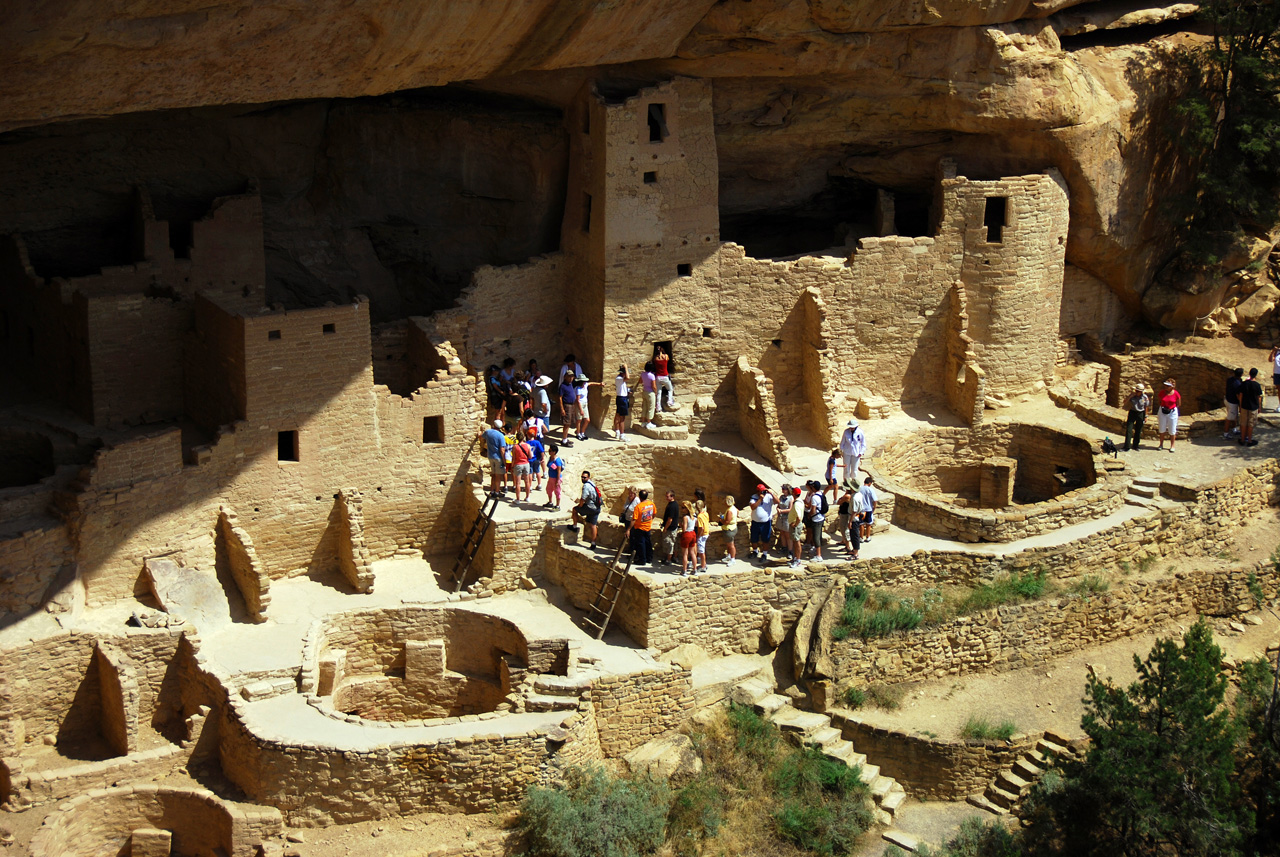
[[555, 470]]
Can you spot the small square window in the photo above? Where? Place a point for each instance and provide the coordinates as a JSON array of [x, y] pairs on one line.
[[273, 334], [433, 429], [706, 332], [651, 177], [330, 328], [287, 446], [684, 270]]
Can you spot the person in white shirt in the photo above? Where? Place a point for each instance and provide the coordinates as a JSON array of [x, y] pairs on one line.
[[853, 445], [816, 517], [542, 403], [622, 402], [762, 503]]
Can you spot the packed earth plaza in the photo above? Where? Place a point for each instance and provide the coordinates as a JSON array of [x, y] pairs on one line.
[[305, 581]]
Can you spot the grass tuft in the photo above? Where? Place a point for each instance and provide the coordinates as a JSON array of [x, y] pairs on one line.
[[978, 728]]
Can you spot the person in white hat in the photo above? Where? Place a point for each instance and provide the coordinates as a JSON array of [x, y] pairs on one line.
[[1139, 407], [853, 445]]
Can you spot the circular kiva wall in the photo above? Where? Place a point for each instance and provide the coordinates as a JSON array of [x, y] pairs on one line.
[[997, 482], [1201, 381], [148, 819], [420, 663]]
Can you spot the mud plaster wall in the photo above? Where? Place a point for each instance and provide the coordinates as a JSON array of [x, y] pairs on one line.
[[1088, 305], [54, 686], [202, 824], [350, 432], [1201, 381]]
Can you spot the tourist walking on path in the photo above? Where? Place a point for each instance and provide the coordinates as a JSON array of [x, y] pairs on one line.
[[622, 401], [1250, 405], [795, 522], [1232, 400], [869, 501], [853, 445], [629, 507], [641, 525], [521, 468], [833, 484], [542, 402], [817, 516], [1168, 401], [762, 503], [702, 527], [568, 397], [729, 526], [662, 372], [555, 475], [785, 501], [1139, 407], [670, 529], [569, 369], [857, 517], [584, 411], [648, 391], [688, 538], [843, 511], [495, 443], [587, 511]]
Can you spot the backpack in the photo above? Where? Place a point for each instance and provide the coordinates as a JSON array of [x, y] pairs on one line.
[[825, 506], [594, 503]]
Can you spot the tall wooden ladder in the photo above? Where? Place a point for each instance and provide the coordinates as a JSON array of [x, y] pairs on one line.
[[471, 546], [607, 598]]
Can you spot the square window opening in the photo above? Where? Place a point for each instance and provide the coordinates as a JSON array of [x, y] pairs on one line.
[[273, 334], [777, 343], [657, 123], [684, 270], [586, 212], [287, 446], [651, 177], [706, 333], [330, 328], [995, 218], [433, 429]]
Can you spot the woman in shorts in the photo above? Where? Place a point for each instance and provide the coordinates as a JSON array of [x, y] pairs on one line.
[[688, 539], [1168, 401], [622, 401]]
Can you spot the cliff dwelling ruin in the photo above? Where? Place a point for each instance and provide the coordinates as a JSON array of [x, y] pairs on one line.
[[251, 580]]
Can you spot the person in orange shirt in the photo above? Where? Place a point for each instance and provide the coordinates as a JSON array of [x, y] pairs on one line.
[[641, 525]]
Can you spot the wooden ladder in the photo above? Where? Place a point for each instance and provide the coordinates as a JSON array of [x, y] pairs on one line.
[[471, 546], [607, 598]]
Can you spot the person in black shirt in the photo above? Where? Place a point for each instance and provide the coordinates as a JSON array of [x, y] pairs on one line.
[[1233, 403], [1250, 402], [670, 528], [1139, 405]]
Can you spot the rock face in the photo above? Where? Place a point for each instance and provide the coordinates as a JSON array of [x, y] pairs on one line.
[[812, 101]]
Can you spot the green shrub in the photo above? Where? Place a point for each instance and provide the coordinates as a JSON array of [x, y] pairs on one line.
[[824, 803], [978, 838], [888, 696], [753, 735], [875, 614], [1090, 584], [808, 772], [696, 815], [854, 697], [1006, 590], [981, 729], [1255, 589], [594, 814]]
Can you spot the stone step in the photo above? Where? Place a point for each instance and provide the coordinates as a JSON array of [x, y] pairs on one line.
[[1146, 491], [824, 736], [881, 787], [905, 841], [1011, 782], [1147, 481], [661, 432], [1027, 770], [1036, 758], [1133, 500], [804, 723], [839, 751], [893, 800], [770, 704], [556, 685], [981, 802], [882, 818], [750, 691], [670, 419], [869, 773], [1049, 748], [1058, 738], [1000, 797], [539, 702]]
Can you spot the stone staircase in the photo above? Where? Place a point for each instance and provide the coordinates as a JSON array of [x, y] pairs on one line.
[[552, 693], [669, 424], [1009, 787], [1143, 492], [810, 728]]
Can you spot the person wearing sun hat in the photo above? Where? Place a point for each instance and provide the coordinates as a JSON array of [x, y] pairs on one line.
[[853, 445], [1168, 400], [1139, 407]]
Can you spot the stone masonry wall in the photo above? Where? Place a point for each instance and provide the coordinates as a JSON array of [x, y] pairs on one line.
[[634, 708]]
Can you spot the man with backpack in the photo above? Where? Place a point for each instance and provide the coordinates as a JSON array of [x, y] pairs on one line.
[[817, 503], [587, 511]]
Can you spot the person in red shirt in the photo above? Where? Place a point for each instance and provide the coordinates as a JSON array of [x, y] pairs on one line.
[[521, 470], [641, 525], [662, 371], [1167, 402]]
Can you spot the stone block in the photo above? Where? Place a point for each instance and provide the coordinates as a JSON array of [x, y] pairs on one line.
[[424, 660], [150, 842], [332, 667]]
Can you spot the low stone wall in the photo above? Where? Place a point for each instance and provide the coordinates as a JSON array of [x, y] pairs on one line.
[[1112, 420], [930, 769], [632, 709], [41, 787], [201, 824], [1021, 635], [923, 469]]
